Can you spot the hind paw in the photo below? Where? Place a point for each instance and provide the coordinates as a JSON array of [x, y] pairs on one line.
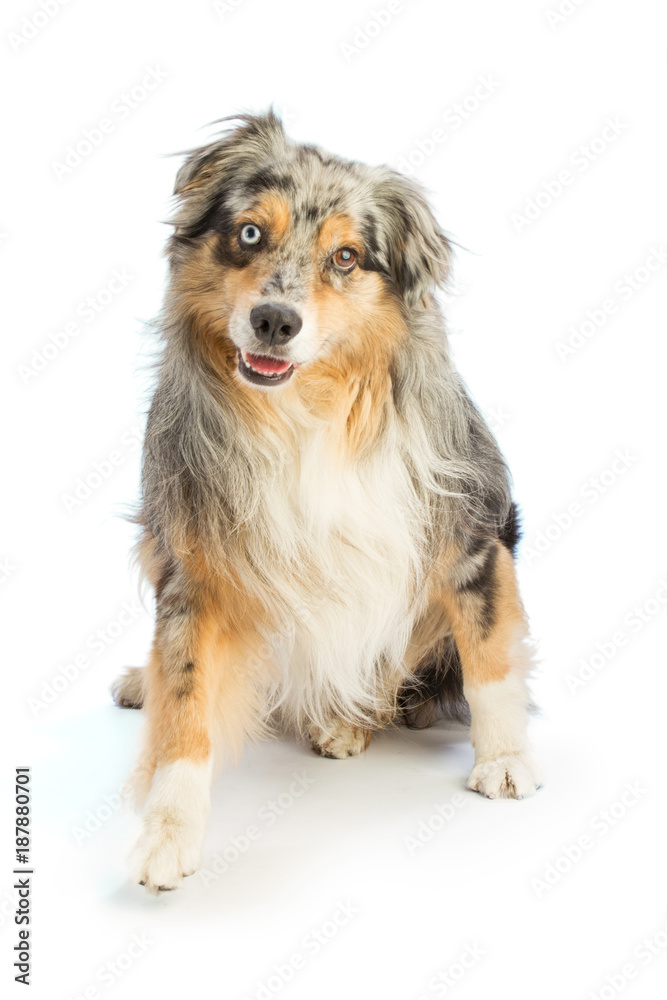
[[339, 740], [128, 690]]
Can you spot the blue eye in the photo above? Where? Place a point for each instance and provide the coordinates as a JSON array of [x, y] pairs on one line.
[[251, 234]]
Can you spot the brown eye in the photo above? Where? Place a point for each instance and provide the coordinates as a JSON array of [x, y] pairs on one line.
[[345, 259]]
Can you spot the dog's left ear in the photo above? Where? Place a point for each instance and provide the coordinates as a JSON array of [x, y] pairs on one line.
[[415, 254]]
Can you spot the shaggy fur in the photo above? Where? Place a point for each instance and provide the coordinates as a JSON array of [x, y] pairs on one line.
[[329, 533]]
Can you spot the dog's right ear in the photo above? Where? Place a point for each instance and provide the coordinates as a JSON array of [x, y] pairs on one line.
[[208, 171]]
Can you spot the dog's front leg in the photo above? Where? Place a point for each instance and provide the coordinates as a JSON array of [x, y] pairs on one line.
[[490, 629], [181, 681]]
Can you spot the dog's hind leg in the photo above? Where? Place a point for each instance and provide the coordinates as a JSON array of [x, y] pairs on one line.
[[490, 629], [128, 689]]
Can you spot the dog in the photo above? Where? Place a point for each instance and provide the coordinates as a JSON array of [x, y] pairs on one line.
[[326, 518]]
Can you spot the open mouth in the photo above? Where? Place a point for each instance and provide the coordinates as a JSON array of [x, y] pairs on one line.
[[262, 370]]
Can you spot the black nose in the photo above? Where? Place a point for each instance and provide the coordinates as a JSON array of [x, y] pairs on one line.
[[274, 324]]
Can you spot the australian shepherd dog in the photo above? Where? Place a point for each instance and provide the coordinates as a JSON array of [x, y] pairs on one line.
[[326, 517]]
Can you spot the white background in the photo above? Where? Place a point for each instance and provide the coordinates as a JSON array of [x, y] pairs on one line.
[[372, 93]]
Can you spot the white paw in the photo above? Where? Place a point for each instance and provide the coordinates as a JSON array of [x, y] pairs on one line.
[[339, 740], [174, 823], [512, 776], [166, 852]]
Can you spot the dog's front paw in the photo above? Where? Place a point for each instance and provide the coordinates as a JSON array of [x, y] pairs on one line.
[[339, 740], [166, 853], [513, 776]]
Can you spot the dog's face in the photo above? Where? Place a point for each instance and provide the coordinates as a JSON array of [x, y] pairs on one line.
[[283, 254]]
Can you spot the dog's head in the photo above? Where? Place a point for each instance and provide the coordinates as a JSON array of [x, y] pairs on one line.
[[284, 253]]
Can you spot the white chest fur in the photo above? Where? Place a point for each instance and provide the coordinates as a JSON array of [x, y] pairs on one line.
[[345, 544]]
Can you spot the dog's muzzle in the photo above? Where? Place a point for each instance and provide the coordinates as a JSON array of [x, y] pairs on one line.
[[274, 325]]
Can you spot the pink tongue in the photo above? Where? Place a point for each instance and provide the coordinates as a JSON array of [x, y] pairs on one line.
[[268, 366]]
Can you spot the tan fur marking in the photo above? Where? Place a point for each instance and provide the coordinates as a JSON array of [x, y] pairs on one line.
[[486, 658], [336, 231], [270, 211], [365, 327], [188, 707], [179, 722]]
